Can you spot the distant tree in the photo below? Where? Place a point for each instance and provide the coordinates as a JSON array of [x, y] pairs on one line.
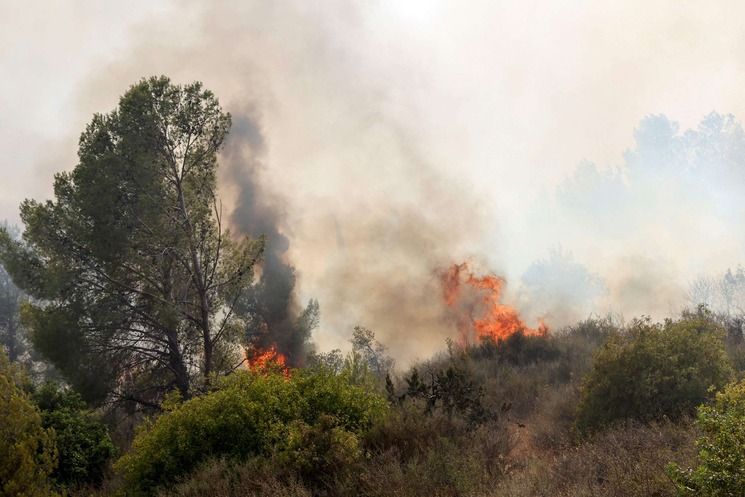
[[561, 285], [722, 454], [134, 274], [27, 452], [723, 293], [654, 371], [372, 352], [591, 193], [12, 335], [367, 364], [332, 360]]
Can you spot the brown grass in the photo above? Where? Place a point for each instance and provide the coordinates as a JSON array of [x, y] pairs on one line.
[[628, 460]]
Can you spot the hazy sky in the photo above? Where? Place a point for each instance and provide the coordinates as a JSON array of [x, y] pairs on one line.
[[404, 135]]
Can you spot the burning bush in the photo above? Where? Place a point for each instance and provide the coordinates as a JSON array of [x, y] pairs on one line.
[[252, 414], [475, 306]]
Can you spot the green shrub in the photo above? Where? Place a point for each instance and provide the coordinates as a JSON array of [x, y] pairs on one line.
[[653, 371], [27, 453], [254, 415], [313, 452], [722, 448], [83, 443]]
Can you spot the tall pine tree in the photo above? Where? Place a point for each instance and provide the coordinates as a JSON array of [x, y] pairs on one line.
[[135, 274]]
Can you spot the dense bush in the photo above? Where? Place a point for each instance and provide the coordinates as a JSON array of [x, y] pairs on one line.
[[408, 454], [654, 371], [722, 448], [27, 453], [518, 349], [83, 443], [308, 423], [450, 389], [579, 342], [593, 331]]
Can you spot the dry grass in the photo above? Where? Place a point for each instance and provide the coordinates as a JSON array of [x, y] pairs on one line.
[[628, 460], [221, 478]]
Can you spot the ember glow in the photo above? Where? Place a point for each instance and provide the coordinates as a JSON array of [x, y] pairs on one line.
[[265, 360], [474, 302]]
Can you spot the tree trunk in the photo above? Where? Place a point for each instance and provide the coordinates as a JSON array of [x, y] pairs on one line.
[[12, 340], [176, 364]]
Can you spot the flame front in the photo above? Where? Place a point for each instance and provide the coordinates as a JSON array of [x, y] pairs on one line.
[[264, 360], [474, 302]]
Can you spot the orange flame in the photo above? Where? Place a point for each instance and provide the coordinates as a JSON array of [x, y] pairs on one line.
[[265, 360], [475, 303]]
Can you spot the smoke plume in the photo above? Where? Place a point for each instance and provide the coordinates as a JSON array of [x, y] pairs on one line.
[[271, 304]]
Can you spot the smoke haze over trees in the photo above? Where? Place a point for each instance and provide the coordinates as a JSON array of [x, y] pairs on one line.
[[379, 142], [668, 212], [12, 333], [578, 166]]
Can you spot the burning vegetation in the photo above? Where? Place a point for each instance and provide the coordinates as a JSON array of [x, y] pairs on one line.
[[278, 327], [475, 305], [265, 360], [498, 412]]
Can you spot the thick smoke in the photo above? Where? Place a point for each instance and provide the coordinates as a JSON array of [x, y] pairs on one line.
[[396, 138], [276, 318], [334, 172]]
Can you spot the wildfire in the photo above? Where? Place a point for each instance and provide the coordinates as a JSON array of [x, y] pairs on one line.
[[475, 303], [265, 360]]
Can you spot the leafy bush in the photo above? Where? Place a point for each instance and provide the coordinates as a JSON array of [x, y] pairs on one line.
[[450, 389], [653, 371], [83, 443], [27, 453], [254, 415], [722, 448]]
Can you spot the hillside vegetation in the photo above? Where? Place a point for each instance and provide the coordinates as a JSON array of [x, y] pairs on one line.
[[598, 408]]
